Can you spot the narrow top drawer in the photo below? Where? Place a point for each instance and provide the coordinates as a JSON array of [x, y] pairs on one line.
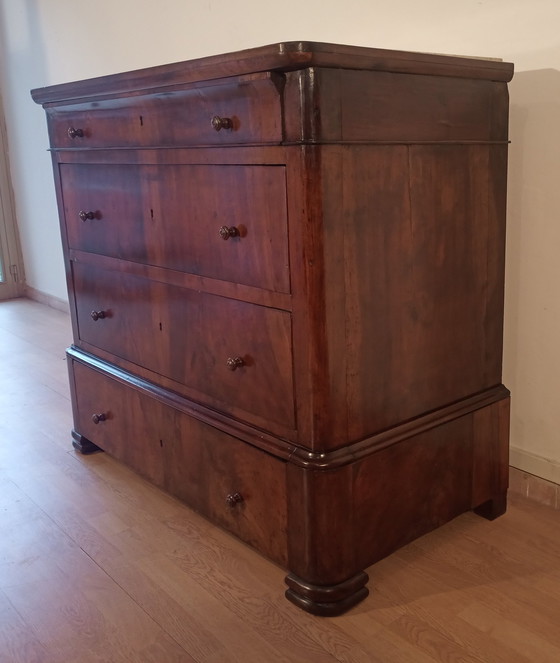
[[243, 110]]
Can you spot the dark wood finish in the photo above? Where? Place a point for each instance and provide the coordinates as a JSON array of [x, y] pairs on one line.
[[431, 274], [286, 272], [402, 503], [392, 495], [227, 289], [283, 57], [327, 601], [84, 446], [189, 336], [490, 461], [194, 461], [362, 106], [172, 216], [174, 117], [493, 508]]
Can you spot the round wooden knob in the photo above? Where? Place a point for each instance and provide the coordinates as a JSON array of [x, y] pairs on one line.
[[235, 362], [220, 123], [234, 498], [84, 216], [75, 133], [228, 231], [96, 418], [98, 315]]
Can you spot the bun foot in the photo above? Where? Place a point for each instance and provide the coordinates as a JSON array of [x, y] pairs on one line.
[[327, 600], [83, 445]]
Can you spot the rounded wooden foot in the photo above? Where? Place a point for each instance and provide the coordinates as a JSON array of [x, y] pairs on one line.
[[327, 600], [83, 445]]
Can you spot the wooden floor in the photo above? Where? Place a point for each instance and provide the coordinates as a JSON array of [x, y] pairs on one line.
[[98, 566]]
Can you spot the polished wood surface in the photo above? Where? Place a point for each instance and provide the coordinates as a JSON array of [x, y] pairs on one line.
[[414, 235], [131, 574], [172, 117], [313, 270], [172, 216], [189, 459], [284, 56], [189, 336], [357, 106]]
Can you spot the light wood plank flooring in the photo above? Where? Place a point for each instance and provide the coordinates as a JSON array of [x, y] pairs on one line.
[[98, 566]]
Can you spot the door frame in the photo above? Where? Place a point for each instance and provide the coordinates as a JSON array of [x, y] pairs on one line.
[[13, 284]]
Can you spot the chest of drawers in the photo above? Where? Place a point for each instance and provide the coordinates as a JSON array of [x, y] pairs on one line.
[[285, 270]]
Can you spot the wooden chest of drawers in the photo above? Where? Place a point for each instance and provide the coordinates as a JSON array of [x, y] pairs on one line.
[[285, 269]]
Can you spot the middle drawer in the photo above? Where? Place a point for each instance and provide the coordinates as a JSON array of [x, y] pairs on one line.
[[229, 354], [227, 222]]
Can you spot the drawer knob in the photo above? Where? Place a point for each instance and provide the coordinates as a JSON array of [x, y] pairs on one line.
[[84, 216], [235, 362], [234, 498], [228, 231], [221, 122], [98, 315], [75, 133], [96, 418]]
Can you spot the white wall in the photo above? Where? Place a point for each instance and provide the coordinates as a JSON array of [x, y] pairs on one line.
[[44, 42]]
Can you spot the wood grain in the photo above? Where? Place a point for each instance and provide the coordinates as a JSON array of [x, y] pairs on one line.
[[363, 106], [284, 55], [395, 239], [175, 117], [170, 216], [188, 336]]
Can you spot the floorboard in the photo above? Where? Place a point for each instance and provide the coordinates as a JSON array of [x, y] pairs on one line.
[[96, 565]]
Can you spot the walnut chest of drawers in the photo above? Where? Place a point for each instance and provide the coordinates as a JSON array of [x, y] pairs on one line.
[[286, 269]]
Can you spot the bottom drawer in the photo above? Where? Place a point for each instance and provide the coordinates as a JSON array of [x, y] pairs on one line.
[[238, 487]]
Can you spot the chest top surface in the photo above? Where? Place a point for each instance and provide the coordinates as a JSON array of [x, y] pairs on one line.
[[279, 57]]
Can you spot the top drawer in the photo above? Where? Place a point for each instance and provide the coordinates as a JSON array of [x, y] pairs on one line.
[[240, 111]]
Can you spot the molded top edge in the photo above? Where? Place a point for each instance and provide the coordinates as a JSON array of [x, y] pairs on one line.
[[282, 56]]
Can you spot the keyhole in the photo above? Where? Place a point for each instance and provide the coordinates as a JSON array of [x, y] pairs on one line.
[[161, 443], [141, 121]]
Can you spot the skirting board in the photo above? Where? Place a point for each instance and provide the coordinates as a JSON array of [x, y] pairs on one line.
[[534, 488], [534, 477], [535, 465], [48, 300]]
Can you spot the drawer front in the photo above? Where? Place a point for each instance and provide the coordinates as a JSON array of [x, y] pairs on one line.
[[172, 216], [248, 107], [200, 465], [233, 354]]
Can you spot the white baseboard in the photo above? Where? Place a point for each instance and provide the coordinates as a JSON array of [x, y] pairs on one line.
[[536, 465], [49, 300]]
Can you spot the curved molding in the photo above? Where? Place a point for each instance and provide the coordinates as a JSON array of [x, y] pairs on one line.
[[286, 450]]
